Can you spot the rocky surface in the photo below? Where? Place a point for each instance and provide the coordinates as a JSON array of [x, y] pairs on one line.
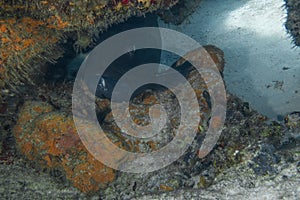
[[251, 156], [254, 157], [45, 132], [263, 165], [240, 183], [180, 12], [293, 19], [34, 33], [18, 181]]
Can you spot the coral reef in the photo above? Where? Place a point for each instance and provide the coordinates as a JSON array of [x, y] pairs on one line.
[[237, 160], [31, 31], [253, 156], [22, 40], [46, 133], [242, 158], [140, 105], [83, 15], [293, 19]]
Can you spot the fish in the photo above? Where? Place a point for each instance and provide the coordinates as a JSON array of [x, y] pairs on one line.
[[108, 81]]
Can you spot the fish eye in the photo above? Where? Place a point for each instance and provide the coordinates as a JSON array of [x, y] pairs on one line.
[[102, 84]]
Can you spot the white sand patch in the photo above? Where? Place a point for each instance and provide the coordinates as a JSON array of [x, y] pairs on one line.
[[262, 68]]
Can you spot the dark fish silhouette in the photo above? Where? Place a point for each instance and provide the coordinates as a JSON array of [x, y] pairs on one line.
[[109, 79], [131, 59]]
